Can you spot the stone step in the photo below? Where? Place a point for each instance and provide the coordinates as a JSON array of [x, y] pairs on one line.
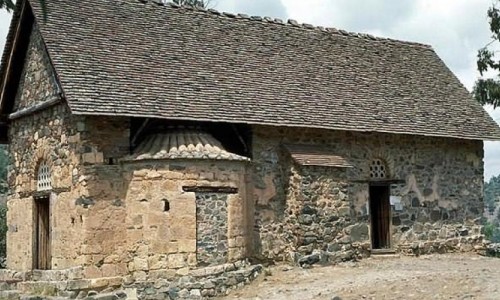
[[31, 297], [7, 285], [385, 256], [46, 288], [383, 251], [10, 295]]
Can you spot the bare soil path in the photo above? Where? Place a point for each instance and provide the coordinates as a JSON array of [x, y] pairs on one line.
[[427, 277]]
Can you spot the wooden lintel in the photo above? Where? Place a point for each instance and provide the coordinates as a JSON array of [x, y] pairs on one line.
[[43, 194], [210, 189], [380, 181]]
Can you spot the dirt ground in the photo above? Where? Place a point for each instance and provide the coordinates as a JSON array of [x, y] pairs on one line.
[[426, 277]]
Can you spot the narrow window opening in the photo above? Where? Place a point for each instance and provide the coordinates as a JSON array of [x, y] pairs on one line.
[[378, 170], [166, 205], [44, 182]]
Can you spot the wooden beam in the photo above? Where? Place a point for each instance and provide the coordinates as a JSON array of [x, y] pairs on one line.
[[380, 181], [35, 108], [139, 131], [210, 189], [11, 54]]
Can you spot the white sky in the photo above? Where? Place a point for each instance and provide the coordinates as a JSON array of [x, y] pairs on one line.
[[455, 28]]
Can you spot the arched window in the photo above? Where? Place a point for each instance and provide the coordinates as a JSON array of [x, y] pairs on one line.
[[378, 169], [44, 178]]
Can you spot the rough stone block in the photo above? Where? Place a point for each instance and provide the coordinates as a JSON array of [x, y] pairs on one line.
[[81, 284], [89, 158], [140, 276], [141, 264], [92, 272], [182, 271], [110, 270], [157, 262], [162, 274], [176, 261], [192, 260], [99, 157], [99, 283], [187, 246]]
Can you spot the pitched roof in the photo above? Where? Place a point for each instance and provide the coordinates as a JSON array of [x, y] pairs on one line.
[[137, 58], [307, 155]]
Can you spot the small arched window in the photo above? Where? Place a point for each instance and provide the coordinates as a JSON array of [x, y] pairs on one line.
[[44, 179], [378, 169]]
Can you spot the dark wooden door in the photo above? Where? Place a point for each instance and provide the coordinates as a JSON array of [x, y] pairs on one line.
[[42, 255], [380, 215]]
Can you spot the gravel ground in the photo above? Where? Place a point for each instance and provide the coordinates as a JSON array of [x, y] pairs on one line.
[[426, 277]]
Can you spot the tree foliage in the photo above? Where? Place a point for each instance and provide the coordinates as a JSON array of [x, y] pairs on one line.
[[492, 193], [7, 4], [487, 91], [492, 201], [10, 5]]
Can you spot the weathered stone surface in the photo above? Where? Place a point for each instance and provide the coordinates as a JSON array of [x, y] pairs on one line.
[[38, 82], [309, 260], [493, 249], [316, 207], [211, 228]]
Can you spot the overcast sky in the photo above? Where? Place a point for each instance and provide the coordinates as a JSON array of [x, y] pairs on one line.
[[455, 28]]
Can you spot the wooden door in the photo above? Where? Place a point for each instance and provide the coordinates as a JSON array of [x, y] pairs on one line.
[[380, 215], [42, 255]]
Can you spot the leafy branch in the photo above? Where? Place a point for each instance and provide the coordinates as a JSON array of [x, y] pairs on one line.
[[487, 91]]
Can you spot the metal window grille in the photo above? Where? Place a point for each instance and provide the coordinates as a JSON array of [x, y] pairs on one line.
[[378, 169], [44, 178]]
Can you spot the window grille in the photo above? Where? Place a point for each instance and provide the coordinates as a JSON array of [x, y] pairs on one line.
[[44, 178], [378, 169]]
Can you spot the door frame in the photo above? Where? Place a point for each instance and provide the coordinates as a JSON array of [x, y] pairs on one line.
[[36, 262], [389, 216]]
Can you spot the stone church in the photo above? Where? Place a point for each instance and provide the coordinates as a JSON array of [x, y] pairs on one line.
[[149, 138]]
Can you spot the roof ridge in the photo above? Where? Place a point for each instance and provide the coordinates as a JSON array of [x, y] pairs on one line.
[[289, 22]]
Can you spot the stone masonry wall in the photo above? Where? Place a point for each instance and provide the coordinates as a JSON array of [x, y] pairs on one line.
[[105, 140], [160, 239], [211, 228], [118, 218], [38, 82], [319, 206], [52, 136], [49, 136], [110, 217], [141, 222], [300, 209]]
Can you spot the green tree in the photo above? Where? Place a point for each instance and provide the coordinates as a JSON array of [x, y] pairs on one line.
[[487, 91], [492, 193], [9, 5]]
